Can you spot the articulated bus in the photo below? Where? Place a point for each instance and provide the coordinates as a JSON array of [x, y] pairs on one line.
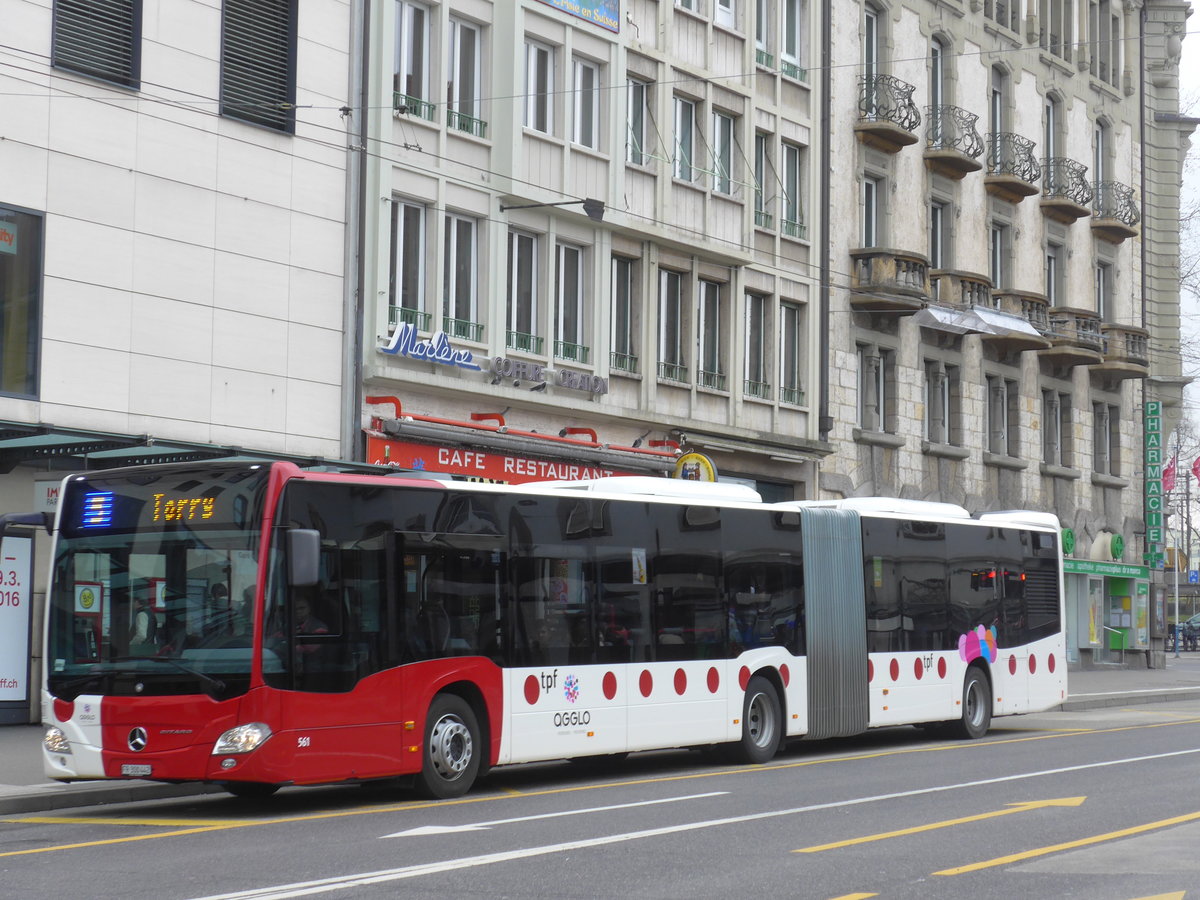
[[259, 625]]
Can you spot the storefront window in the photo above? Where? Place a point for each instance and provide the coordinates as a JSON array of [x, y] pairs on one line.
[[20, 300]]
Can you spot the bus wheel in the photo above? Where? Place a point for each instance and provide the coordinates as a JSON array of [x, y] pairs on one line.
[[761, 722], [452, 748], [250, 790], [976, 706]]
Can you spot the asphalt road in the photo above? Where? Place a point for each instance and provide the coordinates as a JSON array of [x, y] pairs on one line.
[[1098, 804]]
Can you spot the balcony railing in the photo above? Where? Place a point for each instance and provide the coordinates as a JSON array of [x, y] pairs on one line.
[[794, 229], [673, 372], [412, 106], [1033, 308], [577, 353], [888, 117], [885, 279], [763, 219], [793, 71], [714, 380], [1126, 352], [462, 329], [1114, 214], [1012, 171], [405, 315], [519, 340], [1074, 336], [1066, 194], [462, 122], [793, 396], [960, 288], [623, 362], [952, 128], [765, 59], [760, 390]]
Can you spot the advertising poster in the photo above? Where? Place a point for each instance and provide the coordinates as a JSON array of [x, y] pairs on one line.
[[15, 606]]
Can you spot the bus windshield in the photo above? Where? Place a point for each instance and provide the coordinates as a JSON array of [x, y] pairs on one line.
[[154, 583]]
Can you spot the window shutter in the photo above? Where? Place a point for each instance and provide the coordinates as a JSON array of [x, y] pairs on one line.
[[100, 38], [258, 54]]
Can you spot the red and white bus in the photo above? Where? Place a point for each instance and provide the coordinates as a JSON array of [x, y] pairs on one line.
[[259, 625]]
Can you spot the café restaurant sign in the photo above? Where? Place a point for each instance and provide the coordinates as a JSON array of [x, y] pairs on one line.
[[479, 465]]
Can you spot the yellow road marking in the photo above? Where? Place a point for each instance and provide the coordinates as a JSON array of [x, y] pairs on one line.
[[1026, 806], [1071, 845], [492, 798], [865, 896], [145, 823], [1177, 895]]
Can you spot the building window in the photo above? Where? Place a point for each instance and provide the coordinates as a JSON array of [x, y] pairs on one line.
[[792, 40], [1052, 128], [624, 320], [1054, 21], [939, 234], [406, 280], [258, 62], [722, 151], [725, 13], [672, 364], [762, 31], [460, 310], [522, 291], [872, 213], [685, 138], [998, 255], [462, 79], [539, 76], [1056, 428], [710, 362], [793, 191], [1101, 147], [637, 99], [791, 351], [942, 402], [763, 216], [1055, 255], [937, 88], [755, 374], [1104, 292], [1002, 416], [20, 300], [100, 38], [1106, 439], [587, 103], [568, 325], [876, 388], [1105, 31], [410, 80], [870, 42]]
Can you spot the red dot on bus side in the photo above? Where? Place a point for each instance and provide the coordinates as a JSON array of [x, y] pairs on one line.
[[610, 685], [743, 677], [941, 667], [894, 669], [714, 680], [646, 683], [680, 681], [531, 690], [786, 674], [870, 671], [64, 709], [1012, 665], [1032, 663], [1050, 662], [918, 668]]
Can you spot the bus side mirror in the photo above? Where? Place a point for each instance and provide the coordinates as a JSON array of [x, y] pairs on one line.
[[16, 523], [304, 556]]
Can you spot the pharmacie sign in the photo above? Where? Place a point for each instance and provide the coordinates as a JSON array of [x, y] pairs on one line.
[[480, 465], [1152, 457]]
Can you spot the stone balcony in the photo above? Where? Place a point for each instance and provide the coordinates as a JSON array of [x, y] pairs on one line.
[[1075, 338], [887, 279], [1012, 172], [1031, 320], [1126, 353], [955, 288], [1115, 216], [952, 145], [888, 118], [1066, 195]]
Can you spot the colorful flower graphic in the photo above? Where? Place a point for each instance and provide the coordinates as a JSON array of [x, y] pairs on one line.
[[978, 643], [571, 688]]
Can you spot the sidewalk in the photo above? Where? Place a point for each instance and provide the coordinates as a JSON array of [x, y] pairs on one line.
[[24, 789]]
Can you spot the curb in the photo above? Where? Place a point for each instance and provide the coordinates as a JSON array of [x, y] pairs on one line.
[[1127, 698], [45, 798]]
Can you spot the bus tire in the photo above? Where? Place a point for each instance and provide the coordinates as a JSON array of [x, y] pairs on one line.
[[250, 790], [762, 723], [451, 750], [976, 706]]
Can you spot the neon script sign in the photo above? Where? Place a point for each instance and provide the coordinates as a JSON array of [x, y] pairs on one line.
[[437, 349]]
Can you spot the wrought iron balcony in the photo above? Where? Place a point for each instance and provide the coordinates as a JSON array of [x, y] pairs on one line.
[[673, 372], [1075, 338], [1126, 353], [714, 380], [1012, 172], [404, 105], [760, 390], [952, 145], [1114, 214], [408, 316], [791, 396], [623, 362], [960, 288], [577, 353], [519, 340], [462, 122], [886, 279], [888, 117], [462, 328], [1066, 194]]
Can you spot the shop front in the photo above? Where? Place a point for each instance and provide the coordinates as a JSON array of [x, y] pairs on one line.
[[1108, 613]]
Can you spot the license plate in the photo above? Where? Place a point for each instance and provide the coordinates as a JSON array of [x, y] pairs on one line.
[[137, 771]]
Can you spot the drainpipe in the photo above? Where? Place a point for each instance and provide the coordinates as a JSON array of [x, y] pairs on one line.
[[824, 420]]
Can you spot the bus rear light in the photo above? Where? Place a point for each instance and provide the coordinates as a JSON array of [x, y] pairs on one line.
[[55, 741], [242, 739]]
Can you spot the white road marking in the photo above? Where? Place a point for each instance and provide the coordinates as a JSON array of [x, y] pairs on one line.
[[483, 826], [342, 882]]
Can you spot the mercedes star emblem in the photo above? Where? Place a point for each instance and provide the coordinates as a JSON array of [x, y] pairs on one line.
[[137, 740]]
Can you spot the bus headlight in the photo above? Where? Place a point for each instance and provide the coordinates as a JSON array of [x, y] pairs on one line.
[[242, 739], [55, 741]]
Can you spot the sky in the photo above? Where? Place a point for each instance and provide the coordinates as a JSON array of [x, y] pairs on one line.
[[1189, 86]]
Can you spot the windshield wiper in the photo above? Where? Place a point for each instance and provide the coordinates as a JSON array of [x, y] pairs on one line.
[[216, 684], [70, 684]]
